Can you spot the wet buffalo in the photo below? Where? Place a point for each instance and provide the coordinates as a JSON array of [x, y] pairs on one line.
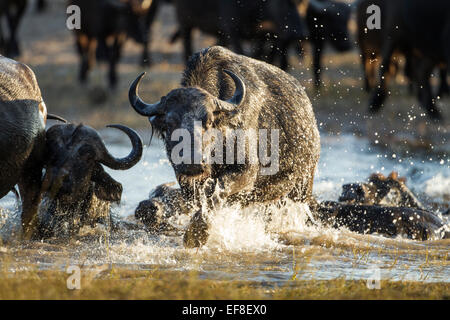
[[222, 90], [164, 203], [23, 116], [77, 190], [422, 29], [381, 190], [13, 11], [383, 205]]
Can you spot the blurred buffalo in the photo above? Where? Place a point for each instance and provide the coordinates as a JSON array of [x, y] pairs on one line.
[[13, 11], [234, 21], [422, 30], [105, 25]]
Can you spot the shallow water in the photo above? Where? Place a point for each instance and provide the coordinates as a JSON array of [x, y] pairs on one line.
[[241, 244]]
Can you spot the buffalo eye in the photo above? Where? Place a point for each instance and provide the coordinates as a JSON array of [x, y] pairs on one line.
[[87, 152], [172, 121]]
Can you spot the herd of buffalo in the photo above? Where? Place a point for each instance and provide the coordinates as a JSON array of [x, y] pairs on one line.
[[59, 171]]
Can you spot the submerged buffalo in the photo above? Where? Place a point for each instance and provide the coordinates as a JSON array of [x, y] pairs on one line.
[[23, 116], [383, 205], [222, 90], [77, 190]]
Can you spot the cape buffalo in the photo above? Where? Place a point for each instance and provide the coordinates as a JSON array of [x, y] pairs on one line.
[[389, 221], [105, 25], [383, 205], [381, 190], [164, 202], [422, 29], [370, 43], [13, 11], [23, 116], [223, 91], [41, 5], [141, 18], [327, 23], [234, 21], [77, 190]]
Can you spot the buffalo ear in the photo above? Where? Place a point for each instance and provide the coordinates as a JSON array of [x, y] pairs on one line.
[[106, 188]]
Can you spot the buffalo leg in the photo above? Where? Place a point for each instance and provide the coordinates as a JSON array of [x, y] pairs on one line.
[[425, 95], [317, 56], [236, 44], [258, 49], [187, 42], [30, 191], [365, 63], [113, 60], [284, 59], [2, 39], [13, 22], [41, 5], [145, 61], [443, 87], [379, 95], [196, 234], [147, 33], [86, 48]]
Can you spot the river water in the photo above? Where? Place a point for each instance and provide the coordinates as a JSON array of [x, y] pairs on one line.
[[241, 245]]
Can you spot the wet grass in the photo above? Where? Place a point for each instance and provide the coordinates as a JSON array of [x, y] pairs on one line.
[[114, 283]]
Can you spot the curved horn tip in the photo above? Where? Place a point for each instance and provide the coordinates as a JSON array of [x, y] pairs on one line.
[[239, 93], [135, 155], [137, 81], [122, 128], [142, 108], [55, 117]]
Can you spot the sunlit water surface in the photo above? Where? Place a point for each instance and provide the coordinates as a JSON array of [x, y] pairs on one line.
[[241, 244]]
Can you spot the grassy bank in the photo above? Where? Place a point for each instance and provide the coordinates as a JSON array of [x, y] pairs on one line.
[[125, 284]]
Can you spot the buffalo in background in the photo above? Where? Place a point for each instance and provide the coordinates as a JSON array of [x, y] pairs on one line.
[[421, 30], [234, 21], [105, 25], [327, 24], [370, 43], [12, 11]]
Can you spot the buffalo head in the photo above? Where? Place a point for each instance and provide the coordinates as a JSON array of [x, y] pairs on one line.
[[181, 109], [76, 187], [380, 190]]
